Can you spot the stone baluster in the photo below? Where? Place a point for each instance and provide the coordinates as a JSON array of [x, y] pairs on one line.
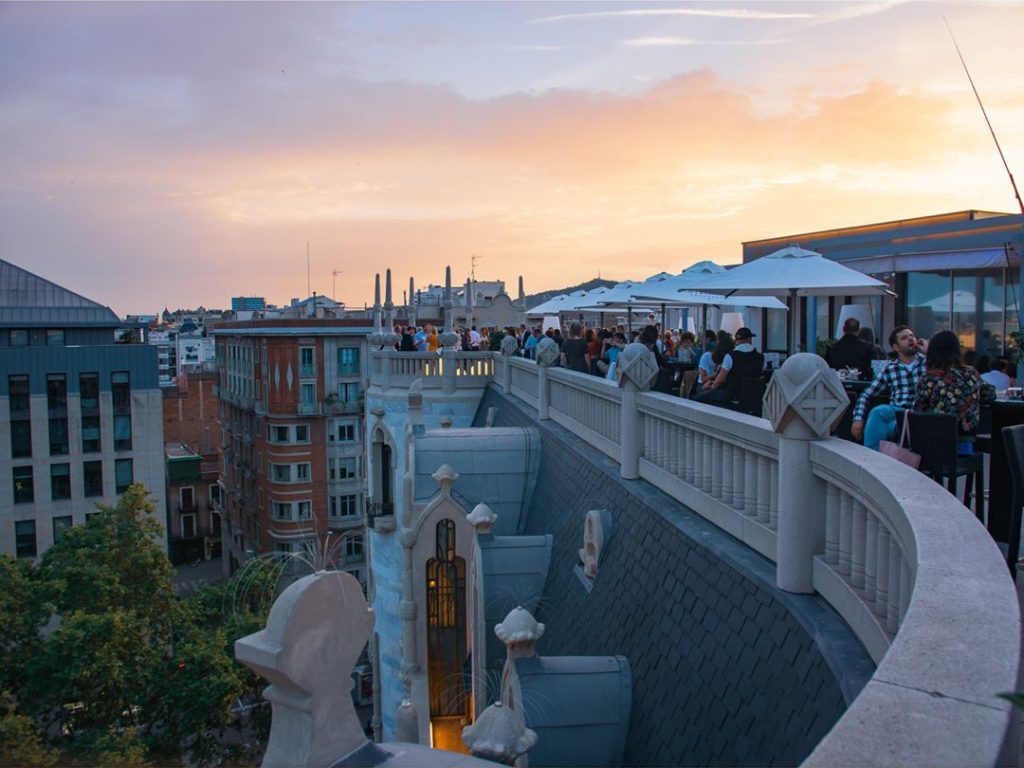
[[892, 608], [707, 462], [723, 466], [832, 525], [689, 456], [764, 488], [845, 533], [870, 559], [635, 371], [738, 476], [803, 401], [881, 606], [857, 546], [750, 485]]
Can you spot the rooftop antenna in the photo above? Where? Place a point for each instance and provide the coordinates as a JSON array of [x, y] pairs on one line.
[[991, 130], [334, 282], [472, 268]]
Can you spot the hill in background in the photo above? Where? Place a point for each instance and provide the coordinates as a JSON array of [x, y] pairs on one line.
[[532, 300]]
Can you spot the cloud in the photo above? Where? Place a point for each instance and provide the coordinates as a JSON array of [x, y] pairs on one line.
[[531, 47], [661, 42], [742, 14]]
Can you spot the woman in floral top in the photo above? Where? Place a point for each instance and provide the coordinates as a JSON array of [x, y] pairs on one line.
[[948, 386]]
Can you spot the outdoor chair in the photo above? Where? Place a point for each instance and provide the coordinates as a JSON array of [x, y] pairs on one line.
[[1013, 439], [934, 436], [983, 435]]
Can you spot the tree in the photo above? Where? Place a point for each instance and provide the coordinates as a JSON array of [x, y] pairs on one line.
[[21, 743], [22, 613]]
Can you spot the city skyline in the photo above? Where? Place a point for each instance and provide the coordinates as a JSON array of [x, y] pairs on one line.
[[178, 155]]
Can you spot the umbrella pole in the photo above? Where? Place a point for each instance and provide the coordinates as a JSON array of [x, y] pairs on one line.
[[794, 321]]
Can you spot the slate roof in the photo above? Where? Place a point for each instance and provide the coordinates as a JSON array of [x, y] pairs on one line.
[[29, 300]]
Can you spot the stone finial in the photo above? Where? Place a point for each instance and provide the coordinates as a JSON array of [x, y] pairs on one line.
[[509, 346], [499, 734], [445, 476], [314, 634], [446, 422], [637, 366], [805, 398], [482, 518], [520, 633], [597, 526], [407, 727], [547, 352]]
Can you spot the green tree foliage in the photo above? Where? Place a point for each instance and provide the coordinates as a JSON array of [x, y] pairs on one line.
[[131, 674], [22, 613], [21, 743]]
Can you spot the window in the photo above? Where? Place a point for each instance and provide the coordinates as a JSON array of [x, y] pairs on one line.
[[307, 393], [188, 526], [90, 434], [302, 472], [214, 495], [281, 473], [279, 434], [348, 361], [281, 510], [92, 475], [282, 548], [121, 392], [348, 392], [343, 506], [25, 538], [346, 432], [122, 432], [60, 524], [301, 433], [344, 468], [305, 510], [60, 481], [55, 338], [187, 498], [307, 361], [214, 524], [19, 338], [123, 475], [23, 488], [21, 424], [89, 392], [354, 546], [57, 408]]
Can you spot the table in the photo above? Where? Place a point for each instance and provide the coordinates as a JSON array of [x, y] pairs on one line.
[[1005, 413]]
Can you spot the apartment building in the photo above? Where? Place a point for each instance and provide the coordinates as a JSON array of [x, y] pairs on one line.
[[80, 415], [292, 465], [192, 437]]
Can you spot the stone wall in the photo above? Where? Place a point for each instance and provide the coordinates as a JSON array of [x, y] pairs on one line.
[[727, 669]]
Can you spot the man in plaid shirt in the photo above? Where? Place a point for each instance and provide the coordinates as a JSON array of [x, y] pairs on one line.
[[900, 379]]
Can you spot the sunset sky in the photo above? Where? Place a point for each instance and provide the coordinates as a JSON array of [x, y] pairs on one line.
[[159, 154]]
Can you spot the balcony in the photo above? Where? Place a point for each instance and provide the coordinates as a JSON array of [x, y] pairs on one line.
[[307, 371], [380, 516], [336, 407]]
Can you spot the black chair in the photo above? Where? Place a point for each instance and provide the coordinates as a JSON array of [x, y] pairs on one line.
[[1013, 440], [983, 434], [934, 436]]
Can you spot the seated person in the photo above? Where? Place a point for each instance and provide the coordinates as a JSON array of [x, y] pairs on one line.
[[898, 378], [993, 373], [850, 352], [949, 386], [740, 363]]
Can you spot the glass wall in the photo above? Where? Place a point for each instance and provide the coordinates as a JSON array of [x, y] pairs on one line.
[[979, 307]]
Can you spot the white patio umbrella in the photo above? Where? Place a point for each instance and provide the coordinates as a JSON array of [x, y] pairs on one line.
[[550, 307], [792, 272]]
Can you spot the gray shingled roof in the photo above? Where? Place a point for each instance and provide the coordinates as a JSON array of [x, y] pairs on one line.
[[30, 300]]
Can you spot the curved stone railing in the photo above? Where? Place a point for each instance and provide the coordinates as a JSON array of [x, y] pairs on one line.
[[913, 573], [436, 370]]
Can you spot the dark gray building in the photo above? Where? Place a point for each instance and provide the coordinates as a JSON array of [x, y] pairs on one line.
[[81, 416]]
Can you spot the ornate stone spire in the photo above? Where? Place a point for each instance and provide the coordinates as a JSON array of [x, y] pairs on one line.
[[390, 338], [378, 327], [448, 338]]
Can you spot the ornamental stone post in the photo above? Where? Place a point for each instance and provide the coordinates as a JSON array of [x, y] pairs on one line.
[[803, 402], [547, 356], [509, 346], [636, 370], [315, 632]]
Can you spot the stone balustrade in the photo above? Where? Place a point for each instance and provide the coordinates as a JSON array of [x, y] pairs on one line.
[[913, 573], [446, 370]]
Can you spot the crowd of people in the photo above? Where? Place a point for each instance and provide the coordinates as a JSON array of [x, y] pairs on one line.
[[930, 376]]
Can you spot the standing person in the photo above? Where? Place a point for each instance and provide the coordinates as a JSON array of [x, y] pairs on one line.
[[574, 351], [850, 352], [899, 378], [616, 344], [867, 335], [948, 386], [474, 339], [420, 339], [685, 352], [432, 342], [530, 345], [407, 344]]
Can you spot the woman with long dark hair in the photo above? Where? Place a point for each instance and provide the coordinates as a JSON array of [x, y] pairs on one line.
[[949, 386]]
